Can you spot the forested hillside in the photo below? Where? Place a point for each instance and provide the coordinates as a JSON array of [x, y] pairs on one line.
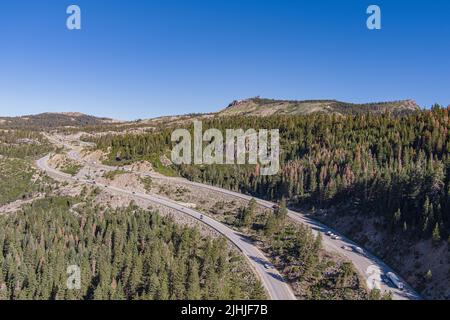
[[45, 121], [122, 254], [23, 144], [19, 181], [397, 167], [378, 166]]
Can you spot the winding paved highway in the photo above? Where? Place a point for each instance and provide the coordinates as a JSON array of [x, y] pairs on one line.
[[271, 279], [368, 265]]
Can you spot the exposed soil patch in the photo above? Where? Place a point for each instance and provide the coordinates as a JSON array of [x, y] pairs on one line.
[[18, 204]]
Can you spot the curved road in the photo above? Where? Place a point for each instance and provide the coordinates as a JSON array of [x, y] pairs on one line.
[[368, 265], [273, 282]]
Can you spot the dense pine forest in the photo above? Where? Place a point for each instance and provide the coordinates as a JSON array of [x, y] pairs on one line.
[[397, 168], [122, 254]]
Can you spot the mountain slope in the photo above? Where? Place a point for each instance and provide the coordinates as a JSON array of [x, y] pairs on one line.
[[266, 107], [248, 107], [52, 120]]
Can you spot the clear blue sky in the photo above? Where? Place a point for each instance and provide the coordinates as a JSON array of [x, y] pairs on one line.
[[139, 59]]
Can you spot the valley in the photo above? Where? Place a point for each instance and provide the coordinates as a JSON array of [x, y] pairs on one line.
[[290, 228]]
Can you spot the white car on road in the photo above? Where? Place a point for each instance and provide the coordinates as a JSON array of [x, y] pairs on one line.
[[395, 280], [358, 250]]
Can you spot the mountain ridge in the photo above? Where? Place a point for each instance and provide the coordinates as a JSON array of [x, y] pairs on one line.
[[53, 120], [266, 107], [257, 106]]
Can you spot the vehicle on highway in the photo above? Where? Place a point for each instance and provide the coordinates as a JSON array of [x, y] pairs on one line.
[[329, 233], [358, 250], [347, 248], [134, 192], [267, 266], [395, 280], [335, 237], [201, 217]]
